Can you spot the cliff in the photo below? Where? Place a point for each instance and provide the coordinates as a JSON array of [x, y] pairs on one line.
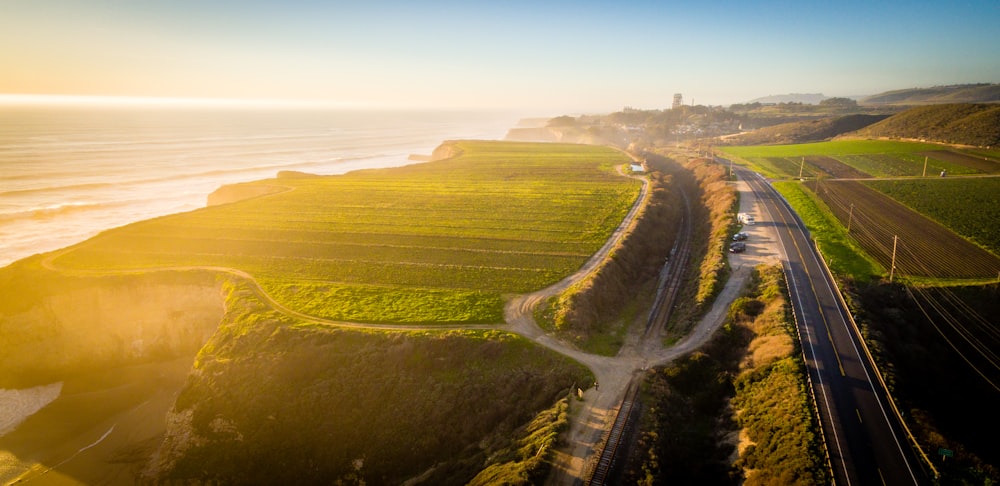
[[231, 193], [79, 324]]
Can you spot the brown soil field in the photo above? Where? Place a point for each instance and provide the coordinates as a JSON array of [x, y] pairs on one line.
[[835, 168], [983, 164], [925, 248], [789, 166]]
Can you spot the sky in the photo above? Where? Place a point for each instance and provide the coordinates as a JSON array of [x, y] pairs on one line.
[[550, 57]]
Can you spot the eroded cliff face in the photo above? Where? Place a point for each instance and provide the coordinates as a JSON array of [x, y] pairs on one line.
[[231, 193], [108, 323]]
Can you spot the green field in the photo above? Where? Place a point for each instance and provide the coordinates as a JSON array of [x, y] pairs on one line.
[[970, 207], [877, 158], [439, 242]]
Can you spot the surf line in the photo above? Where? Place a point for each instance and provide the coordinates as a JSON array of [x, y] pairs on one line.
[[77, 453]]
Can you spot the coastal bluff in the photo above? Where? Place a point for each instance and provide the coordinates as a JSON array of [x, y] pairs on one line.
[[93, 323], [231, 193]]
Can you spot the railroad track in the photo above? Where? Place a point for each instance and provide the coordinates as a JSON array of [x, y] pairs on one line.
[[612, 447], [672, 275]]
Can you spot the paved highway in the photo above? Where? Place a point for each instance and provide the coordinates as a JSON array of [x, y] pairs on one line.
[[864, 438]]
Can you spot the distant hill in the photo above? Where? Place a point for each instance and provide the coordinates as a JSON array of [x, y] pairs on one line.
[[805, 98], [965, 124], [806, 131], [959, 93]]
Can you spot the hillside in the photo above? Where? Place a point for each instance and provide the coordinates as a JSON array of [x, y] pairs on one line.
[[961, 93], [275, 401], [964, 124], [805, 131]]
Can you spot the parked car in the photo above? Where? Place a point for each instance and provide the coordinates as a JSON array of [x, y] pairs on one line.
[[737, 247], [741, 236]]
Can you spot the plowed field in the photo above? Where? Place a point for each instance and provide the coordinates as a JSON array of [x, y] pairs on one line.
[[924, 248], [979, 163]]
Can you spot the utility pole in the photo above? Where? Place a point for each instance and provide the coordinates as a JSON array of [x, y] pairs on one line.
[[925, 167], [850, 218], [730, 169], [802, 166], [892, 269]]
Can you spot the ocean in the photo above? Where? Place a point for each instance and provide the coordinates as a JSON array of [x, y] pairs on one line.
[[69, 172]]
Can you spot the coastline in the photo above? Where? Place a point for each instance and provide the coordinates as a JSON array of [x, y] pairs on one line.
[[73, 172], [17, 405]]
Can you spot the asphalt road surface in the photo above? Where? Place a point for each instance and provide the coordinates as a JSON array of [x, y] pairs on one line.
[[864, 437]]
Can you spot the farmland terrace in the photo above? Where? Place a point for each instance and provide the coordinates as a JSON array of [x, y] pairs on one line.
[[441, 242], [406, 251]]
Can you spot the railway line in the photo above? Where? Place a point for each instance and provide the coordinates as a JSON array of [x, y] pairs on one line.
[[671, 276], [620, 428]]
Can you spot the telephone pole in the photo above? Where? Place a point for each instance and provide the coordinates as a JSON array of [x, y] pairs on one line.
[[925, 167], [802, 166], [892, 269], [850, 218]]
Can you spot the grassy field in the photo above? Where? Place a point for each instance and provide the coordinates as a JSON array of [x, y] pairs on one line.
[[877, 158], [278, 401], [439, 242], [842, 254], [737, 411]]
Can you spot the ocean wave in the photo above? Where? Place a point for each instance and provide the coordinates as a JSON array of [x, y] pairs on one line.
[[59, 210], [217, 173]]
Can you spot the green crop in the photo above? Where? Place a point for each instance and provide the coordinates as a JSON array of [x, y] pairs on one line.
[[437, 242]]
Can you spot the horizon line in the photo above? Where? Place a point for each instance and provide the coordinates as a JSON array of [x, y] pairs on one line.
[[172, 101], [37, 99]]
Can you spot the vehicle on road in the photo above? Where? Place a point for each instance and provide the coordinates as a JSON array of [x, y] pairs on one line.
[[745, 218], [741, 236], [739, 247]]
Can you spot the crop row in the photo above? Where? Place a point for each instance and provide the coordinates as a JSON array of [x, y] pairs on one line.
[[859, 159], [970, 207], [924, 247], [435, 242]]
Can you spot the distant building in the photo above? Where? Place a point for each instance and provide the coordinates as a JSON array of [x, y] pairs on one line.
[[678, 101], [637, 169]]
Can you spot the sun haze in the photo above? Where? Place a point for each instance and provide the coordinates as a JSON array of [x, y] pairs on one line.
[[591, 55]]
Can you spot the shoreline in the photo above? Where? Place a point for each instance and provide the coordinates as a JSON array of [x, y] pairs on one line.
[[16, 405]]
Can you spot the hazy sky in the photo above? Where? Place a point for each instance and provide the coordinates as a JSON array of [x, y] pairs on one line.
[[546, 56]]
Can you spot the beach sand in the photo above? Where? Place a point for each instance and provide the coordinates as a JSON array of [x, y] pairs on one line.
[[17, 405]]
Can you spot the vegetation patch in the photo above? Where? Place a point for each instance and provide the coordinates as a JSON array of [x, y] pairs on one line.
[[884, 228], [277, 401], [970, 207], [856, 159], [748, 378], [528, 459], [841, 253], [713, 203], [959, 123], [451, 237], [806, 131], [935, 343], [596, 312]]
